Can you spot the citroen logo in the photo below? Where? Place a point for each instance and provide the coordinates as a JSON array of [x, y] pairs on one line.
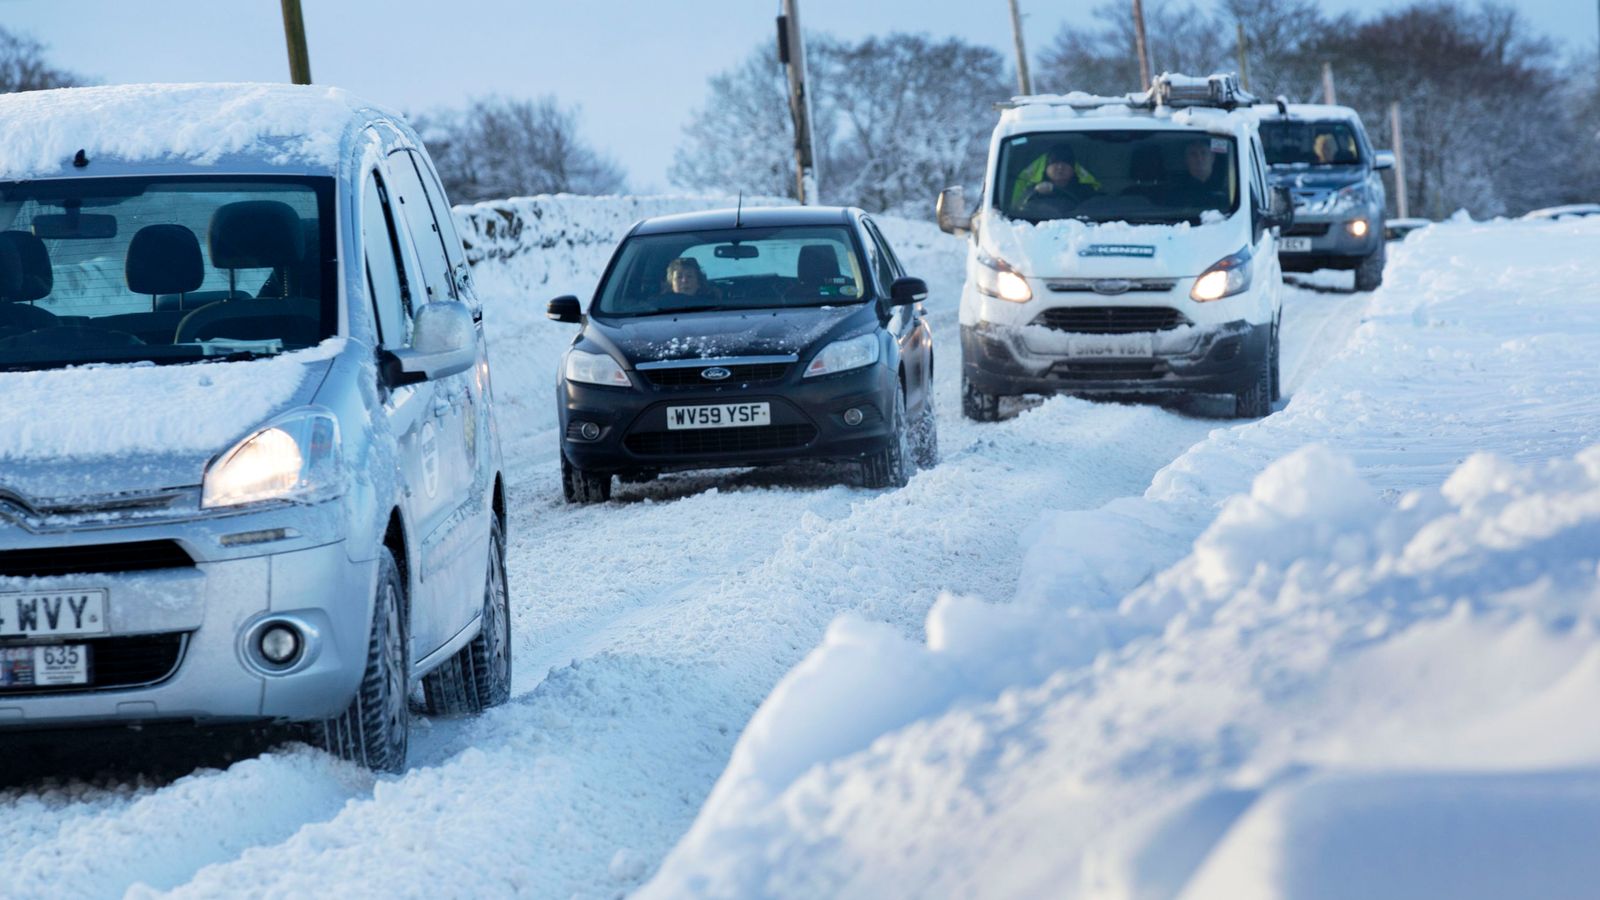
[[715, 373]]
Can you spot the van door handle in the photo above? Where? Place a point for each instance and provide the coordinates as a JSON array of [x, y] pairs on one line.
[[442, 405]]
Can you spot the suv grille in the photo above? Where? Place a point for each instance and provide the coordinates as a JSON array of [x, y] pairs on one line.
[[1306, 229], [1110, 319], [122, 662], [689, 376], [136, 556], [720, 440]]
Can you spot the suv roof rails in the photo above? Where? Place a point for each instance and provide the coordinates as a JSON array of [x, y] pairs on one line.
[[1172, 91]]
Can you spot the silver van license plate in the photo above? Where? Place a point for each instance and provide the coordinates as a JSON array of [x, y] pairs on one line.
[[720, 415], [53, 665], [52, 613]]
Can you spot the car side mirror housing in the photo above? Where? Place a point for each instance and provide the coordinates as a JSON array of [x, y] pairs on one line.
[[906, 291], [1383, 159], [565, 309], [951, 210], [1280, 209], [443, 343]]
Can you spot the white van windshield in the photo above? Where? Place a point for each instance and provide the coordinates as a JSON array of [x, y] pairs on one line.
[[1144, 177]]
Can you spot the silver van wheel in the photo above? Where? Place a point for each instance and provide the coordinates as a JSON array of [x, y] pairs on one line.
[[479, 675], [375, 730]]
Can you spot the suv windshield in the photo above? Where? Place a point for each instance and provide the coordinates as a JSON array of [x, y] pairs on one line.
[[1291, 143], [1148, 177], [163, 269], [741, 268]]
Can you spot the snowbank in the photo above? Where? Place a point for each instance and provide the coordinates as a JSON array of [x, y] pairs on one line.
[[1345, 633]]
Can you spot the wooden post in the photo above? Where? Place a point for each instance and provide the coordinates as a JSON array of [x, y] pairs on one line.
[[1024, 83], [1403, 203], [1139, 44], [1328, 96], [294, 33], [1244, 59], [793, 53]]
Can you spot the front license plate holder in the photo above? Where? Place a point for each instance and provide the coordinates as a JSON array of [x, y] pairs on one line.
[[53, 614], [1113, 346]]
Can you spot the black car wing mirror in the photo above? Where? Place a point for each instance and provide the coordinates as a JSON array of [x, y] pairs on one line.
[[906, 291], [565, 309]]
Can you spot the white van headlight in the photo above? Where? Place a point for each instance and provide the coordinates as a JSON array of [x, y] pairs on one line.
[[294, 457], [1230, 275], [996, 278], [594, 368], [842, 356]]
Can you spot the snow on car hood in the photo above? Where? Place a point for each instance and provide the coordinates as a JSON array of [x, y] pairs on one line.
[[112, 428], [715, 335], [1068, 248]]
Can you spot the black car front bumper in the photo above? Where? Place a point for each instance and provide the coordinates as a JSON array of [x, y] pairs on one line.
[[807, 422]]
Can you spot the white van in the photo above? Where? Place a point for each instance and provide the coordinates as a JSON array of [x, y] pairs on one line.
[[1123, 245]]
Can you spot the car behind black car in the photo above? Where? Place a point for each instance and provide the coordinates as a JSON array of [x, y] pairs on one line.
[[742, 338]]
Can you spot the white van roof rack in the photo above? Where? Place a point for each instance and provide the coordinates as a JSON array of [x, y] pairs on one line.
[[1173, 91]]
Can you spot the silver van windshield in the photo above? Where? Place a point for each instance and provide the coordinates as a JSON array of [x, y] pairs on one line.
[[1148, 177]]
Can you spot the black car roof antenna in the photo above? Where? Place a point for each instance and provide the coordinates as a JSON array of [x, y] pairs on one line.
[[738, 212]]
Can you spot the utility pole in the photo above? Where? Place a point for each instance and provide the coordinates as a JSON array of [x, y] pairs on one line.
[[792, 53], [1403, 203], [1024, 83], [1139, 44], [1328, 96], [1244, 59], [294, 33]]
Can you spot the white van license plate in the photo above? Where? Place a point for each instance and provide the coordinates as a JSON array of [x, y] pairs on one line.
[[719, 415], [53, 613], [53, 665], [1295, 245], [1138, 346]]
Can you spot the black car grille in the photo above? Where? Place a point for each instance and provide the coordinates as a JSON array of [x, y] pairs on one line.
[[121, 662], [1306, 229], [1110, 319], [135, 556], [720, 440], [749, 373], [1111, 370]]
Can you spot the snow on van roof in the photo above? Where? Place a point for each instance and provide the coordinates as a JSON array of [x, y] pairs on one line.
[[281, 124]]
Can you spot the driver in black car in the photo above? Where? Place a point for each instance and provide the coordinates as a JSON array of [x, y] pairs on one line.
[[684, 279]]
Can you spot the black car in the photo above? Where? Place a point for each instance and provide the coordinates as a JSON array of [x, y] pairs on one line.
[[742, 338]]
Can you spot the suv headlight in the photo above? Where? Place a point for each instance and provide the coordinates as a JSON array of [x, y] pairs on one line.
[[844, 355], [1230, 275], [996, 278], [294, 457], [1348, 199], [595, 368]]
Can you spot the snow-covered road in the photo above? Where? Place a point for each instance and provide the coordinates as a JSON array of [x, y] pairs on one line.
[[647, 632]]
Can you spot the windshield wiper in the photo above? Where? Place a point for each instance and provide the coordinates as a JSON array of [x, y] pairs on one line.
[[690, 309]]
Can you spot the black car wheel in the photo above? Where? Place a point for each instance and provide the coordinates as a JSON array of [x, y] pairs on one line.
[[925, 435], [479, 676], [376, 728], [889, 467], [580, 486], [978, 406], [1369, 272]]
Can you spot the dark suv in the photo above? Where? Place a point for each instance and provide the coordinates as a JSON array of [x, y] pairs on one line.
[[742, 338]]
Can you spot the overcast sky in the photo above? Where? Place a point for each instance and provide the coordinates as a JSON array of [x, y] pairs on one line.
[[636, 67]]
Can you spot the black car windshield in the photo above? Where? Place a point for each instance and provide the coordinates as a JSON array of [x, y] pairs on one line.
[[1143, 177], [1300, 143], [164, 269], [738, 268]]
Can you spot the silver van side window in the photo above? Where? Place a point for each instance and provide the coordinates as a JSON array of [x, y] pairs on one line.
[[408, 198], [386, 280]]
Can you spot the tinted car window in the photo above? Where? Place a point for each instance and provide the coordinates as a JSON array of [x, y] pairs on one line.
[[1311, 143], [743, 268], [164, 269], [1158, 177]]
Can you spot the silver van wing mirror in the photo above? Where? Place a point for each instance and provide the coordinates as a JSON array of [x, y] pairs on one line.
[[444, 342], [951, 211]]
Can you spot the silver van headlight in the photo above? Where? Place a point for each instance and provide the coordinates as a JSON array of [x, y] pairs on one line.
[[294, 457]]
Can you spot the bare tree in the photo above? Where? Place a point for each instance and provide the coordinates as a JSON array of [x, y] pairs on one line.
[[741, 139], [23, 66], [504, 148], [1100, 58]]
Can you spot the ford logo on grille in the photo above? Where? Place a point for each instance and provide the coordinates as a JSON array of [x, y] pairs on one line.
[[1112, 286], [715, 373]]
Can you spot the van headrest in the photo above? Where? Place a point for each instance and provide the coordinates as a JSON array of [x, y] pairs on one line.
[[37, 279], [164, 259], [256, 234]]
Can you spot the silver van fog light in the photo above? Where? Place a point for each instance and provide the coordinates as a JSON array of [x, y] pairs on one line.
[[279, 644], [852, 416]]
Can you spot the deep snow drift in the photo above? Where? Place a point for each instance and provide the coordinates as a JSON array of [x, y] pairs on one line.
[[1347, 651]]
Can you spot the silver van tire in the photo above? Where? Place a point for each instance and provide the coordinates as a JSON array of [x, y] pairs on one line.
[[890, 467], [478, 676], [375, 730]]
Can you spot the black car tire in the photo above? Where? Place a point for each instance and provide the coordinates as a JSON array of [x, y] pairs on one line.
[[1369, 272], [978, 406], [375, 730], [890, 467], [1255, 401], [479, 675], [925, 434], [580, 486]]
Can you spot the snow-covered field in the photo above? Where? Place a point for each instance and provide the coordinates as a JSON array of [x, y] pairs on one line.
[[1100, 650]]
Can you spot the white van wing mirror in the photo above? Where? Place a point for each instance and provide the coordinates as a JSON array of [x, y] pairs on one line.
[[951, 211]]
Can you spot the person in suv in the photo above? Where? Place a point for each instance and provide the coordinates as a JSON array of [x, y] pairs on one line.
[[1164, 279], [253, 475]]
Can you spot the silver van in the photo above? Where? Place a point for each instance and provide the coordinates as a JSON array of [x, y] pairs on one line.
[[250, 471]]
